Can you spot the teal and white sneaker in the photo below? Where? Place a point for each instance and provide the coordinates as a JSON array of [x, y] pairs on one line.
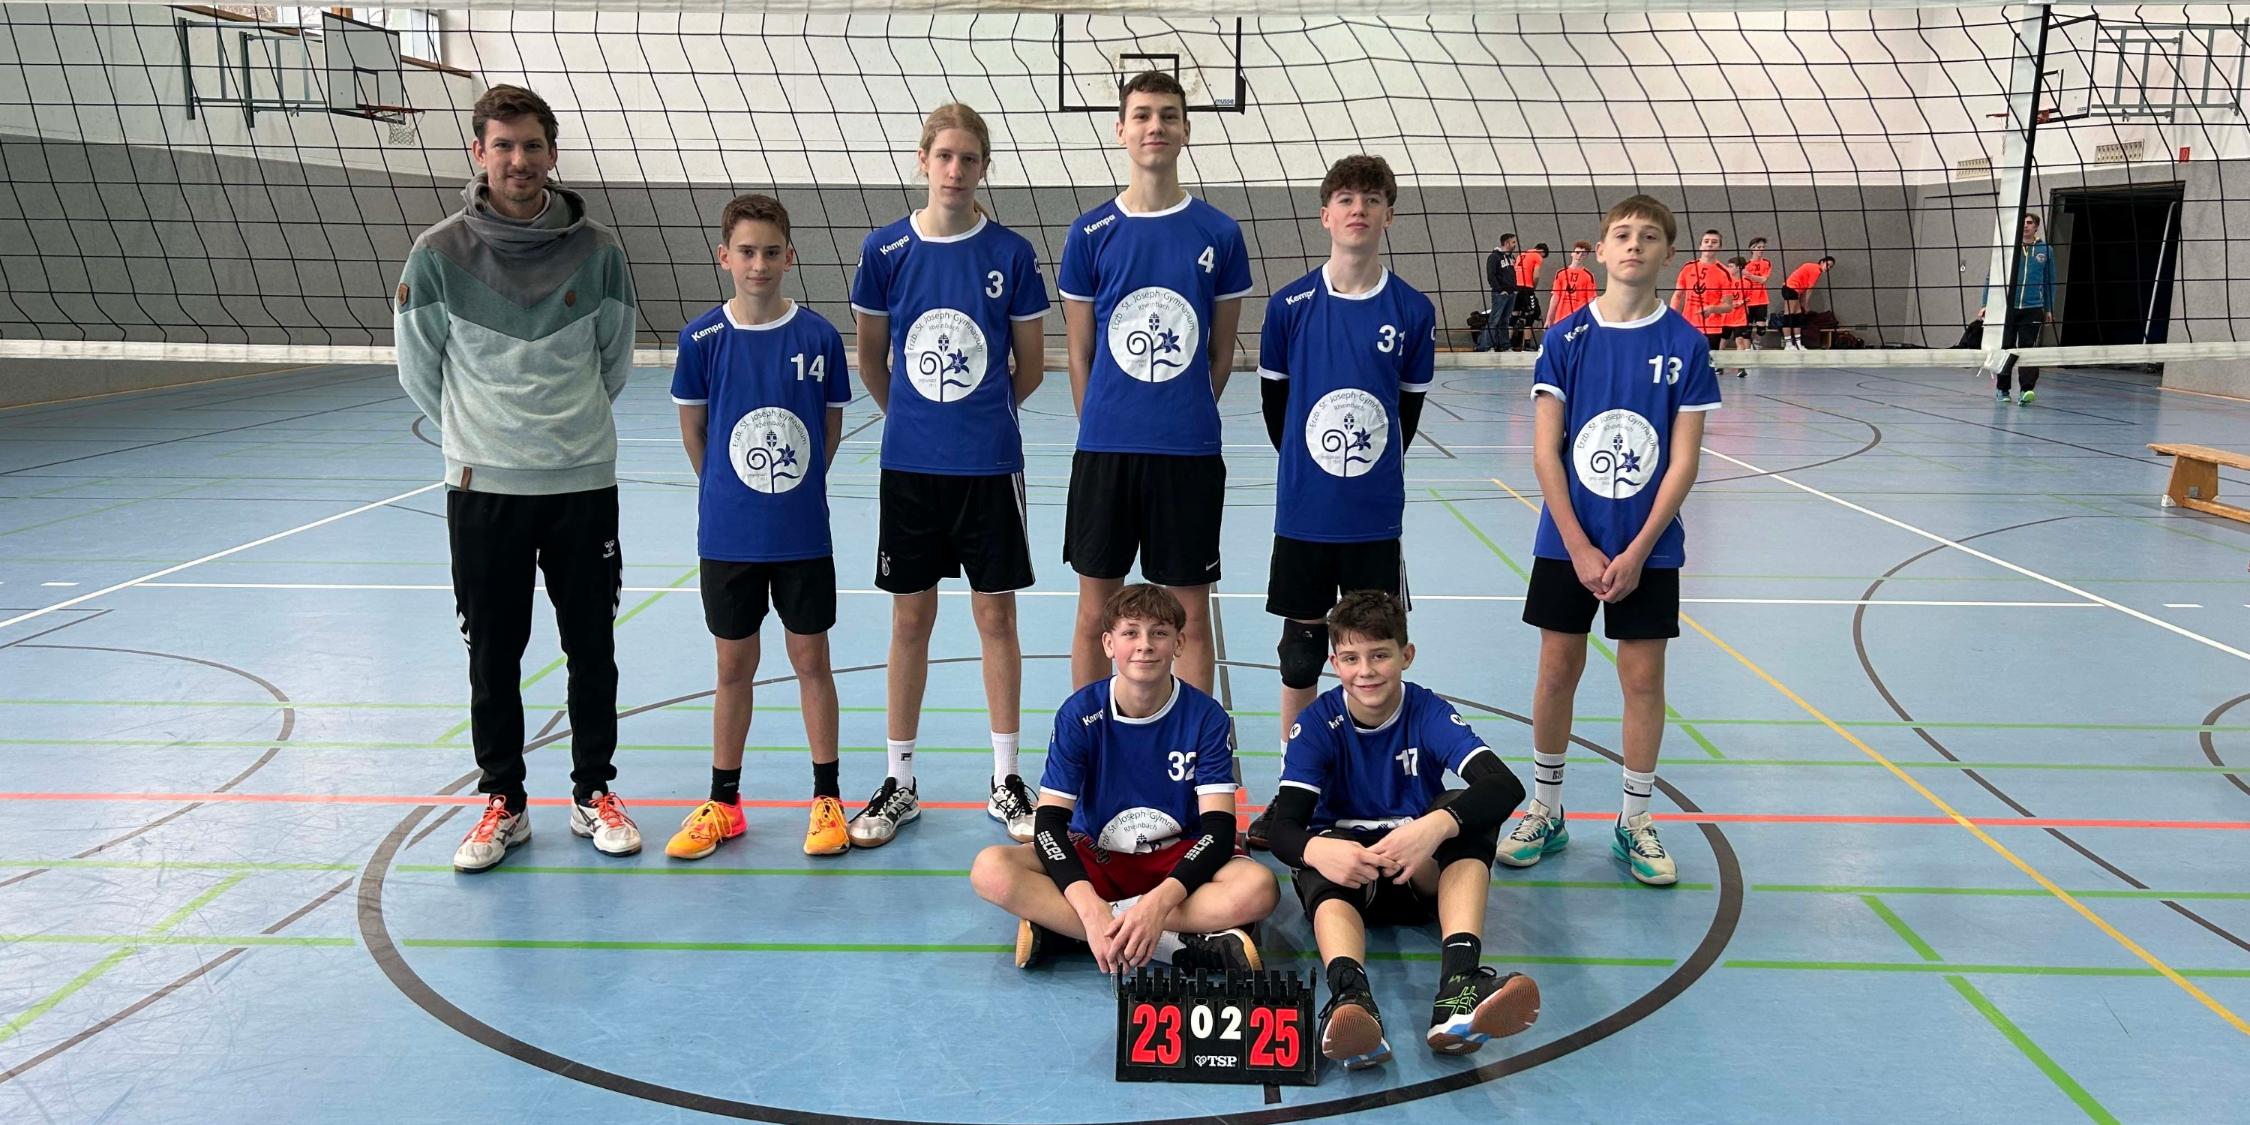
[[2027, 399], [1999, 396], [1635, 842], [1539, 834]]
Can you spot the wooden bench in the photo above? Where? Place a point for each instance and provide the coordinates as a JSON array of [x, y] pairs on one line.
[[2195, 478]]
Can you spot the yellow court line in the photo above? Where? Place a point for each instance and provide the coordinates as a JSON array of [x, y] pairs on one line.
[[2018, 862]]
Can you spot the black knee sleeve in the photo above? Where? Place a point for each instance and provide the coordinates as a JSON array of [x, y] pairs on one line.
[[1303, 649], [1478, 845], [1313, 888]]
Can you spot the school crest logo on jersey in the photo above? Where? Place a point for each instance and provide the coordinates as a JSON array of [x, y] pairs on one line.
[[1153, 334], [1616, 454], [1346, 432], [1138, 830], [770, 450], [945, 355]]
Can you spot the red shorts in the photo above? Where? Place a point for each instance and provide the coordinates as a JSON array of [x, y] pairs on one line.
[[1122, 875]]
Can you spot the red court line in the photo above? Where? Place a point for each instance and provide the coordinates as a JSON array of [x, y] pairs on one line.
[[1605, 817]]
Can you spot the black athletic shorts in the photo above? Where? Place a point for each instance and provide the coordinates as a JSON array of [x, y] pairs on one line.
[[1758, 314], [1558, 601], [1386, 903], [934, 526], [1164, 508], [1309, 576], [1714, 339], [1734, 332], [1788, 294], [736, 594]]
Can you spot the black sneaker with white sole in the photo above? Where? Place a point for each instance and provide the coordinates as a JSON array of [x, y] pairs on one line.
[[1226, 949], [1351, 1031], [1476, 1007]]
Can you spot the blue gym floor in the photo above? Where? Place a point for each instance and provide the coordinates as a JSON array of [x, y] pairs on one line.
[[234, 775]]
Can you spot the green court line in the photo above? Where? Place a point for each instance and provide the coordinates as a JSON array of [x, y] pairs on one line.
[[1992, 892], [2002, 970], [559, 661], [1898, 926], [186, 488], [702, 946], [173, 865], [1033, 752], [1671, 714], [47, 1003], [173, 939], [197, 903], [670, 869], [1042, 712], [2015, 1035], [962, 873], [2047, 1066]]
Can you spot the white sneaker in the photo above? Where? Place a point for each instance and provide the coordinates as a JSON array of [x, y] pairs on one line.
[[892, 807], [1635, 842], [1012, 805], [605, 823], [488, 843]]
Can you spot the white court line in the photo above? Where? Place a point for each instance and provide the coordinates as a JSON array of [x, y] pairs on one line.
[[58, 583], [435, 588], [1995, 560], [2183, 605], [175, 569]]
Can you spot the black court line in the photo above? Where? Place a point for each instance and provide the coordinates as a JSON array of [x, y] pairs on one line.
[[189, 977], [1874, 438], [196, 436], [83, 616], [375, 933], [1867, 666], [2211, 746], [288, 726]]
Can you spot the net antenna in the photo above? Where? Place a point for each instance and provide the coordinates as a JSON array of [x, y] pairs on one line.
[[1096, 54], [364, 74], [249, 64]]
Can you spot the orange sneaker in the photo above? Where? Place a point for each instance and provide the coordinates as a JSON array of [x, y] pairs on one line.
[[824, 832], [704, 828]]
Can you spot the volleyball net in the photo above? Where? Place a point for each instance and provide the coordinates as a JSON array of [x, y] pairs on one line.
[[243, 182]]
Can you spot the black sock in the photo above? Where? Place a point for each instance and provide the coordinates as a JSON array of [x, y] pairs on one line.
[[1344, 975], [824, 780], [583, 795], [516, 803], [1461, 953], [726, 785]]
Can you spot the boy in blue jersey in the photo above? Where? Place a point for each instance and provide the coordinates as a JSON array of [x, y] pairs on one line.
[[1133, 852], [943, 298], [1376, 838], [1345, 359], [1152, 285], [761, 382], [1621, 391]]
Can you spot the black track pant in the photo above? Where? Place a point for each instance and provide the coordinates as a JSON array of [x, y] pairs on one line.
[[2022, 332], [497, 542]]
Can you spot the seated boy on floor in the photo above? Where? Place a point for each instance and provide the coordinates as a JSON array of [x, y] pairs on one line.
[[1364, 818], [1132, 854]]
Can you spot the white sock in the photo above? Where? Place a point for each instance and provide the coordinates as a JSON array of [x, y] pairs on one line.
[[1167, 945], [1122, 905], [1638, 786], [902, 759], [1546, 779], [1004, 754]]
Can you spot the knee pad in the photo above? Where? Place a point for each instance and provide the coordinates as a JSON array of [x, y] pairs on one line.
[[1303, 649], [1313, 888]]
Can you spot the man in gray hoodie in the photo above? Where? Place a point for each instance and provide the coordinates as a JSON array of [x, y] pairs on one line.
[[515, 323]]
